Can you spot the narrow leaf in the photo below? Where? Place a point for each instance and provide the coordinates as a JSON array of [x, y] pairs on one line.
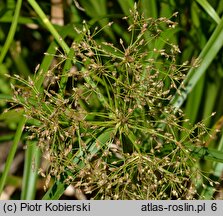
[[207, 55], [210, 10]]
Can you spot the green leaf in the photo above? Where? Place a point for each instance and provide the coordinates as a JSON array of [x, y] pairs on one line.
[[12, 153], [194, 101], [126, 5], [66, 68], [48, 58], [210, 10], [208, 154], [11, 33], [32, 161], [49, 26], [12, 116], [56, 191], [149, 8], [207, 55]]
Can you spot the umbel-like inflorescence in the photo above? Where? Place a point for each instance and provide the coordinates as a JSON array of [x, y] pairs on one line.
[[106, 124]]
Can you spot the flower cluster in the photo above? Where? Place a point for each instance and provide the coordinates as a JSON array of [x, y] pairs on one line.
[[106, 124]]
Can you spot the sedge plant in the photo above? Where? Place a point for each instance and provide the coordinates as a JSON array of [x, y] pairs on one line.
[[103, 117]]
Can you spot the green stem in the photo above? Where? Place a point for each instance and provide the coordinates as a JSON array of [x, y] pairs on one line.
[[11, 31], [49, 26], [207, 55], [12, 152], [32, 161]]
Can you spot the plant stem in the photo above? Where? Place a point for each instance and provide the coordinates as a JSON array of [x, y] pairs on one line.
[[12, 152], [49, 26], [207, 55], [11, 31]]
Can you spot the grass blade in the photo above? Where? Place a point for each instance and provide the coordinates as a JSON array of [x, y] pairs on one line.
[[12, 152], [149, 8], [208, 154], [207, 55], [56, 191], [194, 101], [210, 10], [47, 60], [126, 5], [67, 66], [32, 161], [11, 31], [49, 26]]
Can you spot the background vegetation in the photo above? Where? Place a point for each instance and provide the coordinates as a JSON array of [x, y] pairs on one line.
[[28, 29]]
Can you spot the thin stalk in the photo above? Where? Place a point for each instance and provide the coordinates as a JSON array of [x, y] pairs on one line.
[[12, 30], [12, 152], [58, 188], [49, 26]]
